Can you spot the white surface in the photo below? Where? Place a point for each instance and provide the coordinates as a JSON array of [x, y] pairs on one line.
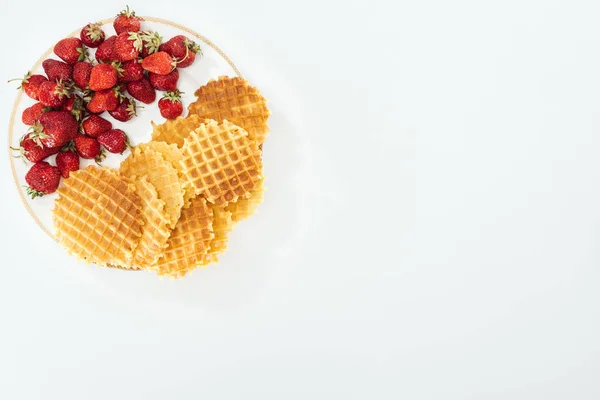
[[210, 65], [449, 249]]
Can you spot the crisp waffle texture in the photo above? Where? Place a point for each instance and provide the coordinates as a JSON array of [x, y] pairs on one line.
[[234, 100], [245, 207], [144, 161], [222, 225], [189, 243], [97, 216], [221, 163], [173, 155], [174, 131], [155, 231]]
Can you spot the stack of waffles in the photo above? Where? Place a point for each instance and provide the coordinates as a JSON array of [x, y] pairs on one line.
[[172, 203]]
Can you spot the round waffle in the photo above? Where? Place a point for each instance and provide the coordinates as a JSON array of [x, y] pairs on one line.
[[97, 216], [234, 100], [220, 162]]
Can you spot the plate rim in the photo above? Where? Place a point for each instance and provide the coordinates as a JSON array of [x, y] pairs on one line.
[[37, 66]]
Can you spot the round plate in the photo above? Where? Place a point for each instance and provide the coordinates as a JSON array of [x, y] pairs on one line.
[[212, 64]]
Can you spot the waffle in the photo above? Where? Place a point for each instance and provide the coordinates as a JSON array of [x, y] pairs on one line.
[[243, 208], [174, 131], [234, 100], [189, 242], [155, 231], [97, 216], [221, 163], [173, 155], [144, 161], [222, 225]]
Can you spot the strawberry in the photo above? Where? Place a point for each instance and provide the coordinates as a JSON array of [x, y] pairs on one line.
[[142, 90], [170, 105], [67, 162], [106, 51], [160, 63], [182, 49], [56, 70], [128, 46], [131, 71], [53, 94], [92, 35], [94, 125], [125, 111], [151, 42], [31, 114], [32, 151], [42, 179], [115, 141], [81, 74], [164, 82], [54, 128], [104, 100], [76, 106], [70, 50], [126, 21], [31, 84], [88, 148], [103, 76]]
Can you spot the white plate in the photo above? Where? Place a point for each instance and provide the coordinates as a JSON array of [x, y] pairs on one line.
[[212, 64]]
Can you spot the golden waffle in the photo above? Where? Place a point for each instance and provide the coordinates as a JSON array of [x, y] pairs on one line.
[[220, 162], [155, 231], [97, 216], [144, 161], [234, 100], [222, 225], [173, 155], [173, 131], [243, 208], [189, 242]]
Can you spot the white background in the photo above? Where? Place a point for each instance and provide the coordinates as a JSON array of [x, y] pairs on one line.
[[432, 229]]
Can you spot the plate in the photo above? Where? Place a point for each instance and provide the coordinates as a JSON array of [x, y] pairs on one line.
[[212, 64]]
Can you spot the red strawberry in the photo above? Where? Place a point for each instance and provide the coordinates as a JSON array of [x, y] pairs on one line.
[[151, 42], [170, 105], [81, 74], [88, 148], [94, 125], [115, 141], [31, 114], [42, 179], [56, 70], [32, 151], [31, 84], [103, 76], [131, 71], [142, 90], [70, 50], [106, 51], [76, 106], [125, 111], [164, 82], [128, 46], [182, 49], [104, 100], [53, 94], [55, 128], [126, 21], [92, 35], [160, 63], [67, 162]]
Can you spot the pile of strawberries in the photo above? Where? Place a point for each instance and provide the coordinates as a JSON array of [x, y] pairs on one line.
[[131, 65]]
